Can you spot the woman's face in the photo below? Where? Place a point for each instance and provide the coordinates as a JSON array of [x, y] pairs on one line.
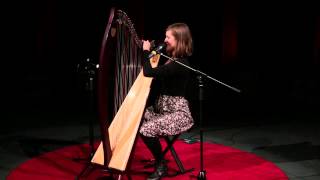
[[170, 41]]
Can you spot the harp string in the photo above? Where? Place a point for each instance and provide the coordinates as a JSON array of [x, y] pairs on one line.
[[128, 59]]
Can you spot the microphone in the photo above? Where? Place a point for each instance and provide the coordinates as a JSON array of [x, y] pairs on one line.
[[157, 50]]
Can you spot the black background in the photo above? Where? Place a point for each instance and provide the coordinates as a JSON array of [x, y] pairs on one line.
[[276, 66]]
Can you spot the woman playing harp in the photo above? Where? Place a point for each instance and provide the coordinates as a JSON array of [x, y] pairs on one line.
[[118, 138], [170, 114]]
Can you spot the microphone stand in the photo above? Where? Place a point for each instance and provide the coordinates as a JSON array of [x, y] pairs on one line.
[[202, 172], [89, 70], [90, 87]]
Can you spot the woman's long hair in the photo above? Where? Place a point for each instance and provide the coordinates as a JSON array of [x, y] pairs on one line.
[[182, 34]]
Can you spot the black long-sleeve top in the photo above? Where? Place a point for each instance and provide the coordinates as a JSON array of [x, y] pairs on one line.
[[172, 76]]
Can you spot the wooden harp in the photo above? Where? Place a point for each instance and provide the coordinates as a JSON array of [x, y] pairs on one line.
[[121, 49]]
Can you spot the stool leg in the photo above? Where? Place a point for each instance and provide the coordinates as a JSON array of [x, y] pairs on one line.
[[170, 141], [176, 158], [173, 152]]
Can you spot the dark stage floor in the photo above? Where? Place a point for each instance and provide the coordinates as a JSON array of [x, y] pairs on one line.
[[292, 144]]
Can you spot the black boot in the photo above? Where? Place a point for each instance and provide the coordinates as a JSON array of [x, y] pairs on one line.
[[161, 170]]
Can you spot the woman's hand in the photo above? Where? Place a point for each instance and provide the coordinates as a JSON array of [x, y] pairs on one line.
[[146, 45]]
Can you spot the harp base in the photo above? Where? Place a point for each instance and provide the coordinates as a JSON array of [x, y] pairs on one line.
[[108, 174]]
